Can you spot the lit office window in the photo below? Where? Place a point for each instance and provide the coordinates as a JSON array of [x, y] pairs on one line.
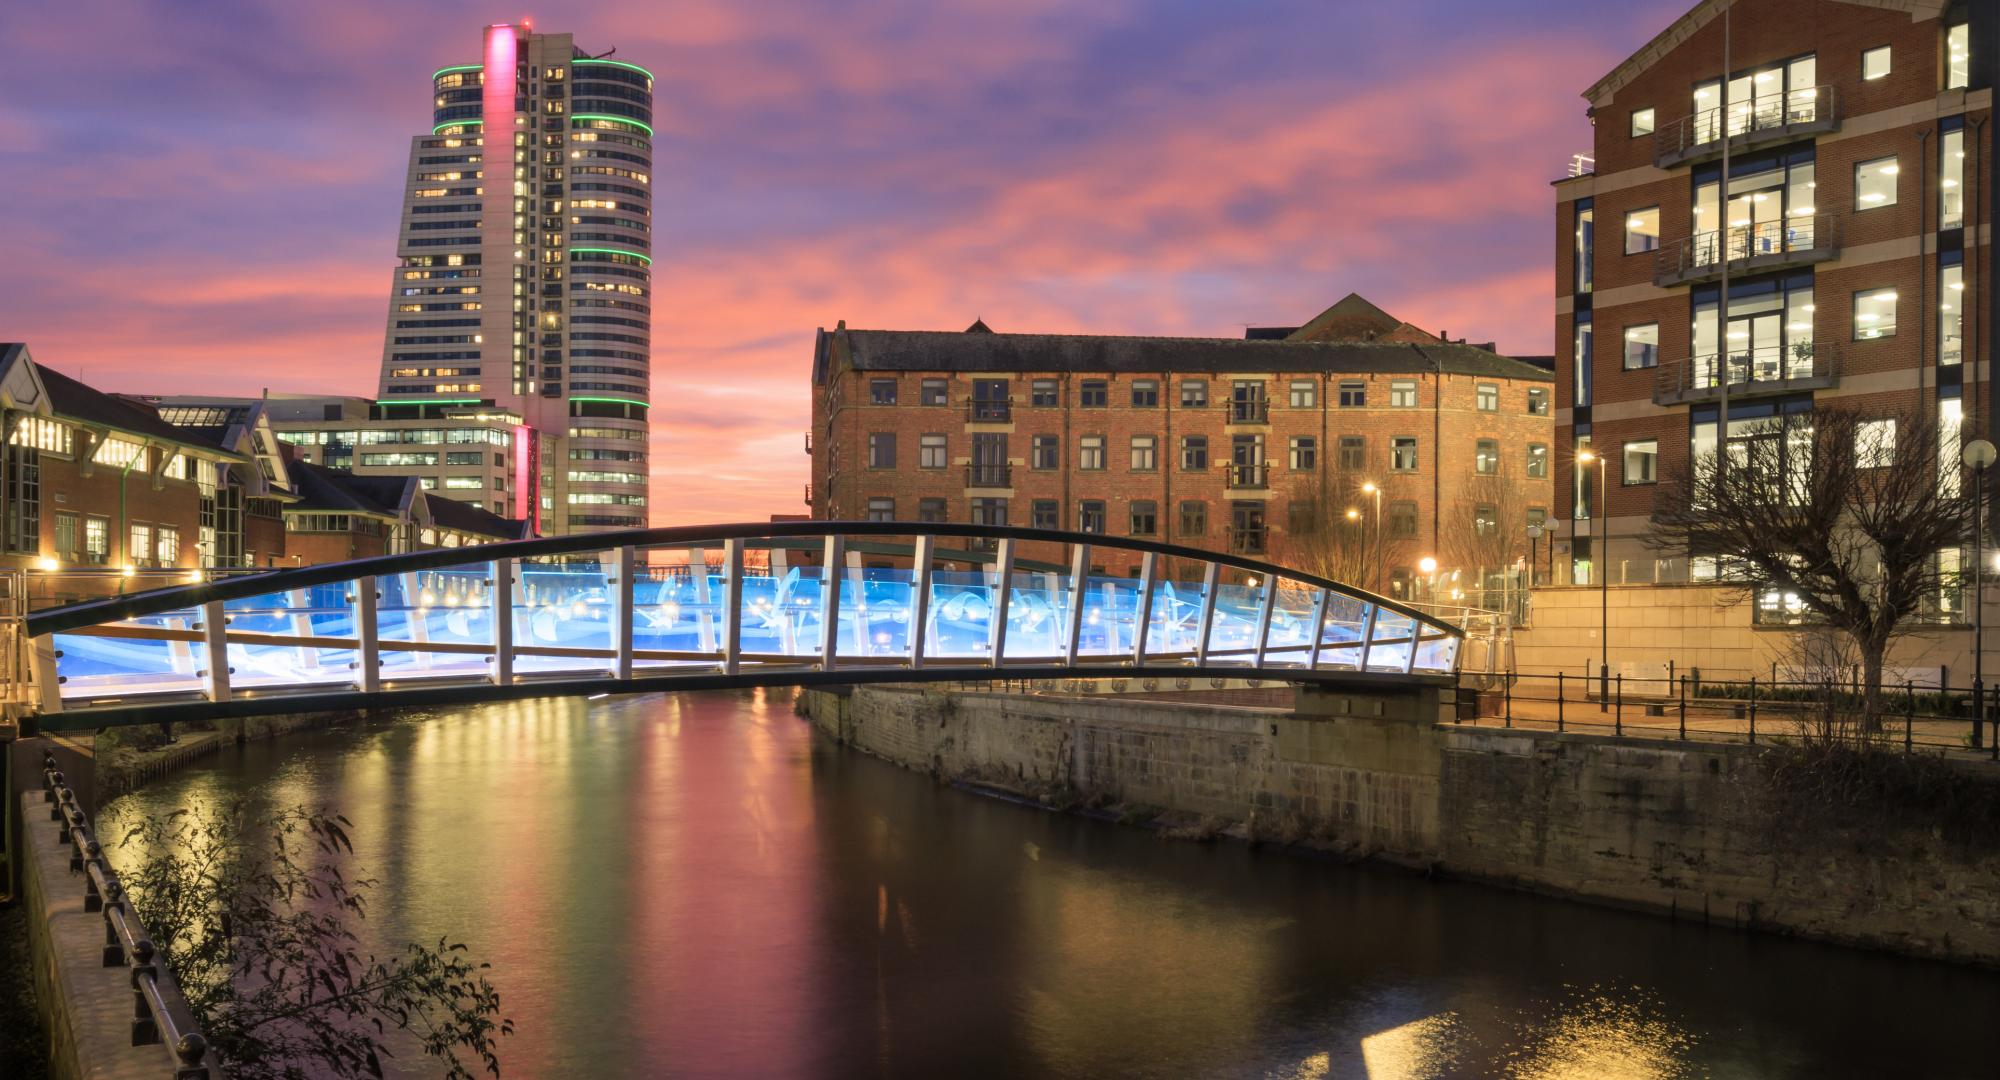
[[1874, 314], [1874, 63], [1642, 122], [1642, 230], [1875, 183], [1642, 346]]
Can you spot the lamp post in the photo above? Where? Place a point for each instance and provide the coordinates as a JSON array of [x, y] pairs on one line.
[[1600, 563], [1534, 539], [1428, 567], [1369, 487], [1979, 454]]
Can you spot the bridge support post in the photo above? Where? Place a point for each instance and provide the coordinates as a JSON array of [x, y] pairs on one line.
[[1142, 615], [830, 574], [732, 605], [215, 638], [1079, 582], [502, 593], [1264, 610], [920, 599], [621, 612], [996, 631], [1367, 634], [1211, 579], [48, 684], [1319, 629], [366, 632]]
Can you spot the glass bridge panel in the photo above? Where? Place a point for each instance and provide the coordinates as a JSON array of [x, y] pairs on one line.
[[319, 612], [676, 610], [1176, 620], [150, 654], [1438, 654], [875, 613], [1341, 635], [960, 620], [1389, 647], [1232, 637], [562, 616], [1288, 642], [432, 623], [1110, 615]]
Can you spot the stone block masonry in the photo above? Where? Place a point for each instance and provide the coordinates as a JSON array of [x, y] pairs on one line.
[[1680, 830]]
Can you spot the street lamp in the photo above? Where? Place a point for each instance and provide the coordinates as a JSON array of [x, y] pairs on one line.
[[1369, 487], [1601, 564], [1353, 514], [1534, 539], [1978, 454]]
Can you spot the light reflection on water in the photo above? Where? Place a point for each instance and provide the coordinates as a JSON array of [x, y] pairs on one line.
[[696, 885]]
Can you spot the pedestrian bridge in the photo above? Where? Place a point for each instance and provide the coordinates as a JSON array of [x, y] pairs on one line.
[[780, 603]]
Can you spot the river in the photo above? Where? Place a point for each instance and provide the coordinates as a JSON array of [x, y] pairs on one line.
[[699, 885]]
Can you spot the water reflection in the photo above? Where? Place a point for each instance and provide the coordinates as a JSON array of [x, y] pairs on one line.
[[695, 885]]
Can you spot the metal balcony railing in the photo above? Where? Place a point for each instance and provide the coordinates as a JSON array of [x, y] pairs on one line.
[[1765, 118], [809, 494], [1764, 245], [1772, 370], [1247, 541], [809, 442], [1249, 477], [989, 410], [989, 476], [1249, 411]]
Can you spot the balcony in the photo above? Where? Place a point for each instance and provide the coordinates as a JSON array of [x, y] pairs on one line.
[[1249, 411], [1767, 120], [989, 410], [1752, 373], [1247, 540], [809, 442], [1249, 477], [989, 476], [809, 494], [1752, 249]]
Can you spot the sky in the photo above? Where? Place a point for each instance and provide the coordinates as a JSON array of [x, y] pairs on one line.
[[202, 197]]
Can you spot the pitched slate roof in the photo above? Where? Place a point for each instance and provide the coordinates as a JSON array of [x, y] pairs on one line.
[[453, 514], [932, 350], [327, 490], [76, 401]]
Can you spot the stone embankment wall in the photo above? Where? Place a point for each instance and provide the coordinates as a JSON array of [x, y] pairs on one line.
[[1675, 828]]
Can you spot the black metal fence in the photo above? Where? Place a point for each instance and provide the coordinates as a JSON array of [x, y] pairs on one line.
[[156, 1018], [1914, 716]]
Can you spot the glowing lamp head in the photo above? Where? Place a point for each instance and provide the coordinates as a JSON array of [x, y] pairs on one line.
[[1585, 456], [1369, 488], [128, 571], [1428, 565], [1353, 514], [47, 565]]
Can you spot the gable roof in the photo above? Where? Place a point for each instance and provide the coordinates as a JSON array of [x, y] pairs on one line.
[[1351, 318], [1683, 28], [74, 400], [451, 513], [324, 490]]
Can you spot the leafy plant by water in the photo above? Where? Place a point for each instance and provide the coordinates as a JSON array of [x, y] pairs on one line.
[[255, 916]]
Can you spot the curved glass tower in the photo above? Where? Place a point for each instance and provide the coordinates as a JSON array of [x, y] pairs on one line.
[[524, 276]]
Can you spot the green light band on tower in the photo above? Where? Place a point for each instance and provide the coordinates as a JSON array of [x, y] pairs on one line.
[[454, 67], [614, 401], [428, 401], [615, 251], [614, 63], [617, 119], [456, 123]]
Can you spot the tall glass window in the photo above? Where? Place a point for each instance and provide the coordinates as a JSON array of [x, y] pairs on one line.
[[1770, 333], [1771, 210], [1951, 413], [1951, 179], [1780, 94], [1580, 361], [1957, 56], [1951, 314], [1585, 247]]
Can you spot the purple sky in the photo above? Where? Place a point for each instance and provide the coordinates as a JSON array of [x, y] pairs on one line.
[[202, 197]]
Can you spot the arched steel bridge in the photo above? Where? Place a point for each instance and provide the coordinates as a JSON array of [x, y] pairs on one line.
[[778, 603]]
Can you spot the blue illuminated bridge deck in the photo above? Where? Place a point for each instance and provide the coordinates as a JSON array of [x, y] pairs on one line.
[[781, 603]]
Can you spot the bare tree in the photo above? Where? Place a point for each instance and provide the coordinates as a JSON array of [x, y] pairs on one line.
[[1490, 535], [1322, 536], [1847, 511]]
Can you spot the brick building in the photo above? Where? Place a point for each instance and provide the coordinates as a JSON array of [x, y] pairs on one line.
[[1355, 432], [1857, 245]]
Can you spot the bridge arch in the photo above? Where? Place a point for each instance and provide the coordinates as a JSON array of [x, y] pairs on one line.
[[698, 607]]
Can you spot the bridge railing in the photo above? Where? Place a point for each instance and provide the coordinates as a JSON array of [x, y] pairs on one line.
[[765, 598]]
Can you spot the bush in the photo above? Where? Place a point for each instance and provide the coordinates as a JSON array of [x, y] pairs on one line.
[[1868, 793], [254, 916]]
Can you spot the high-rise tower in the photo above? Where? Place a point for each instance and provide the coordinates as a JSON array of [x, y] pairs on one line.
[[524, 269]]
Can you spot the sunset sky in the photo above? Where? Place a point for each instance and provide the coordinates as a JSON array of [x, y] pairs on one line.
[[202, 197]]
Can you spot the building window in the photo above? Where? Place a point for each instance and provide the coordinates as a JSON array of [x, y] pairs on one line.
[[1145, 394], [1044, 394], [934, 392], [1642, 462], [1402, 520], [1194, 453], [881, 449], [1045, 452], [1874, 63], [1584, 248], [1951, 179], [1485, 521], [23, 491], [140, 551], [1305, 394], [1538, 402], [1145, 517], [1299, 515], [1353, 452], [67, 536], [1486, 457], [1194, 518], [1145, 453], [930, 510], [1580, 348], [1305, 453], [1093, 393], [1642, 346], [1875, 183], [1403, 394], [1194, 393], [1090, 516], [1090, 452], [989, 510], [881, 391], [880, 509], [1874, 314], [96, 540], [1642, 230], [1875, 444], [1044, 514], [1951, 314], [1403, 453], [1538, 460], [1957, 56], [1487, 397], [931, 452], [1642, 122], [1353, 395]]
